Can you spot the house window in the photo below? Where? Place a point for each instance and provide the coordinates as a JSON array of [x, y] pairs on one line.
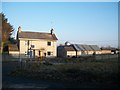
[[49, 43], [26, 42], [25, 53], [32, 46], [49, 53]]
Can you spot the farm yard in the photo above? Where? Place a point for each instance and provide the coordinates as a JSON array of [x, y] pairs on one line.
[[86, 72]]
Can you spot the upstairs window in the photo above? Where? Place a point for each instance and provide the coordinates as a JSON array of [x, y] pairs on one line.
[[49, 43], [26, 42], [32, 46]]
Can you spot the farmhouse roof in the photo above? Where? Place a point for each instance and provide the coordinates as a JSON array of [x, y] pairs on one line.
[[37, 35]]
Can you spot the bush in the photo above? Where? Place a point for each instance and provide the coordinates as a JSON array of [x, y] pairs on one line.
[[74, 57], [47, 63], [84, 72]]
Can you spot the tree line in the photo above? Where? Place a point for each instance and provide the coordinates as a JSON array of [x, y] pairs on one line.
[[6, 30]]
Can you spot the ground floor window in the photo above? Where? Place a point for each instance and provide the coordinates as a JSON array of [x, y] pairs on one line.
[[49, 53]]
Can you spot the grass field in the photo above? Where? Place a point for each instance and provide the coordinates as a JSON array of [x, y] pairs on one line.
[[105, 72]]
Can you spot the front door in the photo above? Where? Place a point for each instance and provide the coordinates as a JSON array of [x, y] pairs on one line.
[[30, 53], [33, 53], [39, 53]]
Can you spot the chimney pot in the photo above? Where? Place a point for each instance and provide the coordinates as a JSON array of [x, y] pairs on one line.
[[51, 31], [19, 29]]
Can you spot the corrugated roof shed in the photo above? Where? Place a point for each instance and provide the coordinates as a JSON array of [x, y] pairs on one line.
[[87, 47], [69, 48], [37, 35], [82, 47], [108, 48], [78, 47], [95, 47]]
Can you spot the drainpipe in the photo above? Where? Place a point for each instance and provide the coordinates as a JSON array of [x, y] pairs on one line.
[[28, 47], [76, 53]]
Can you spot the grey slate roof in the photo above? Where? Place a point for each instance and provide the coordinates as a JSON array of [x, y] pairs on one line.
[[81, 47], [108, 48], [95, 47], [87, 47], [78, 47], [37, 35], [69, 48]]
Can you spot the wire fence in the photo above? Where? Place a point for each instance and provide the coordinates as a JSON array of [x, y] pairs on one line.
[[20, 58]]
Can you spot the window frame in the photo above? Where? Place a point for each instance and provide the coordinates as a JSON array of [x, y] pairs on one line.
[[49, 53], [32, 46], [26, 42], [49, 43]]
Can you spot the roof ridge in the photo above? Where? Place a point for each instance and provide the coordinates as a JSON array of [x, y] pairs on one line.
[[34, 32], [37, 35]]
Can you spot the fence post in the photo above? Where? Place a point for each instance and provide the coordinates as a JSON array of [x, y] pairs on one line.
[[20, 63]]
